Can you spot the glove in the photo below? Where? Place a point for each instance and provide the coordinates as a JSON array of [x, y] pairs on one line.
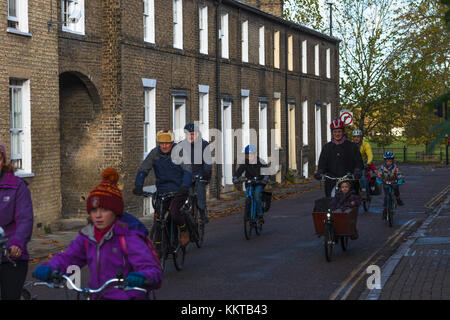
[[42, 273], [318, 176], [138, 190], [184, 190], [235, 180], [136, 279], [400, 181], [379, 181]]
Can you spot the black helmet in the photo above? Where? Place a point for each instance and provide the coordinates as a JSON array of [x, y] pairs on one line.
[[191, 127]]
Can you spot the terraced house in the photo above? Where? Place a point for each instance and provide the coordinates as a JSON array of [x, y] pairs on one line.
[[88, 83]]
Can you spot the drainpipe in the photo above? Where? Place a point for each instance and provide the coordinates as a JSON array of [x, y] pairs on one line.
[[218, 106], [286, 99]]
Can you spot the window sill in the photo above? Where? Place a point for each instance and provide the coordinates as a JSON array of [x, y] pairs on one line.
[[18, 32], [64, 29], [23, 174]]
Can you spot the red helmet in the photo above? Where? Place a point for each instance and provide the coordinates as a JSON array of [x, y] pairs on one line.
[[337, 124]]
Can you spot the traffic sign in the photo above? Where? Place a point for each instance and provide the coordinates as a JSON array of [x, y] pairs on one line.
[[346, 117]]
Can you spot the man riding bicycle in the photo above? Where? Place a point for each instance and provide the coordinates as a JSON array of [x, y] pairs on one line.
[[197, 150], [367, 156], [170, 178], [338, 157]]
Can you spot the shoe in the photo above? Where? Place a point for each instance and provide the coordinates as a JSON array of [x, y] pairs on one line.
[[184, 238], [384, 214], [400, 202], [204, 217], [260, 219], [355, 235]]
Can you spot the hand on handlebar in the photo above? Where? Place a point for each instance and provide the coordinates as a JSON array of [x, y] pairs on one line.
[[42, 273], [136, 279]]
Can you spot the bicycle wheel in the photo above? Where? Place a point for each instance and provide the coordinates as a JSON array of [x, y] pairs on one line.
[[248, 223], [258, 227], [199, 227], [344, 243], [390, 212], [157, 236], [179, 251], [328, 241]]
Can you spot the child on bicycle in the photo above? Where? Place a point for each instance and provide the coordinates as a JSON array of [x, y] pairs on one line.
[[100, 246], [252, 169], [346, 198], [390, 172]]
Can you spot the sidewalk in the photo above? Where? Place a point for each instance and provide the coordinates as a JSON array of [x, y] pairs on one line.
[[42, 247], [420, 268]]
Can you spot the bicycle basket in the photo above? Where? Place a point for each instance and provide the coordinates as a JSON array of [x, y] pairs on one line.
[[266, 198]]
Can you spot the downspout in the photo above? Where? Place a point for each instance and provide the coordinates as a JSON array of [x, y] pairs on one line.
[[218, 106], [286, 100]]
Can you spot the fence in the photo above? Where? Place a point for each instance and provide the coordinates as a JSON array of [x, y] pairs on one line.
[[411, 154]]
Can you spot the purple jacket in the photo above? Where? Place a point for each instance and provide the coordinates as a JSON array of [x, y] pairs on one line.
[[343, 201], [16, 212], [104, 259]]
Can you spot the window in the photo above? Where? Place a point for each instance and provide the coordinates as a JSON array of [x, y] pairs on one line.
[[263, 142], [292, 138], [244, 41], [305, 122], [20, 125], [328, 121], [149, 120], [203, 26], [178, 24], [328, 63], [261, 46], [224, 35], [290, 53], [18, 15], [245, 120], [304, 56], [73, 16], [276, 49], [204, 111], [149, 21], [277, 105], [316, 59], [179, 117]]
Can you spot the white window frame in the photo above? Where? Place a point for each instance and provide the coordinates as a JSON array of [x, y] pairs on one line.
[[178, 24], [290, 65], [203, 29], [179, 117], [328, 56], [18, 22], [23, 154], [277, 123], [149, 21], [318, 131], [224, 35], [245, 119], [328, 121], [292, 137], [227, 143], [305, 56], [262, 47], [149, 120], [263, 126], [316, 60], [244, 41], [305, 122], [69, 7], [276, 49], [203, 111]]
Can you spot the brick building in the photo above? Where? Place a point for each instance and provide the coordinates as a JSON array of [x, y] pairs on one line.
[[121, 70]]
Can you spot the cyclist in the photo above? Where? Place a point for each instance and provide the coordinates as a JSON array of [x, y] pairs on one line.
[[16, 219], [338, 157], [99, 246], [390, 172], [252, 169], [170, 178], [199, 153], [367, 156]]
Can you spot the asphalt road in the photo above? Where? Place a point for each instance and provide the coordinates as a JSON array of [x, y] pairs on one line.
[[287, 261]]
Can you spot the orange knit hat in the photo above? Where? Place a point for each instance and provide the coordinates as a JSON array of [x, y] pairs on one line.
[[106, 195]]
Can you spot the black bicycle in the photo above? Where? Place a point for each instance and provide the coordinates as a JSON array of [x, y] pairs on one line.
[[195, 222], [165, 234]]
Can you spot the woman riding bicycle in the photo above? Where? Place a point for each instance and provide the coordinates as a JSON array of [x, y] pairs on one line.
[[367, 157], [16, 218], [252, 169], [99, 245]]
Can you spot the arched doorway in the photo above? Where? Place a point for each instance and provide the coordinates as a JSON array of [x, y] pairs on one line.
[[79, 106]]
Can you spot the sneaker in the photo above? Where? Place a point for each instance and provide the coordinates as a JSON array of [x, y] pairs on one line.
[[261, 219], [400, 202], [355, 235], [184, 238]]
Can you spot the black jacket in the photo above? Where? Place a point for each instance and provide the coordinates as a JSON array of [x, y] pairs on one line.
[[203, 164], [251, 170], [337, 160]]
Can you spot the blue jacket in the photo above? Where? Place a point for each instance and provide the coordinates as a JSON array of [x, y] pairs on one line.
[[169, 175]]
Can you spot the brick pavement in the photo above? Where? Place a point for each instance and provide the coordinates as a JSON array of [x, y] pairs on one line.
[[420, 269]]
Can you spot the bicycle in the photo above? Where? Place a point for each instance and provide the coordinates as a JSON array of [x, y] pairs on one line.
[[164, 233], [61, 281], [195, 222], [251, 219], [391, 204], [5, 251]]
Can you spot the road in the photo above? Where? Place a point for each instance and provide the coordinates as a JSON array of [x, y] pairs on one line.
[[287, 261]]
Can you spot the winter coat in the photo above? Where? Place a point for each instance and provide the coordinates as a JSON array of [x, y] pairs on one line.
[[337, 160], [251, 170], [391, 174], [343, 201], [104, 259], [203, 165], [16, 212]]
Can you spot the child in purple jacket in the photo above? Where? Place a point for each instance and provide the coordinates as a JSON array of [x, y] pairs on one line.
[[16, 220], [99, 245], [346, 198]]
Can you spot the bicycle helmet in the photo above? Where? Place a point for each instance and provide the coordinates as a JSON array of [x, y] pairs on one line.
[[389, 155], [191, 127], [337, 124], [344, 179], [251, 148], [356, 133]]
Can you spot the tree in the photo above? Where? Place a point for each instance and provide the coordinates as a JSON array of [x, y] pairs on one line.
[[305, 12]]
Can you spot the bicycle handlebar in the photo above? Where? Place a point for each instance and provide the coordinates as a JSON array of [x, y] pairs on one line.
[[350, 176]]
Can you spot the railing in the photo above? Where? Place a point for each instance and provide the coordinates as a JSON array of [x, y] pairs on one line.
[[411, 154]]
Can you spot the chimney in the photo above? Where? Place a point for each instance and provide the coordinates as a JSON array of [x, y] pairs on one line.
[[274, 7]]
